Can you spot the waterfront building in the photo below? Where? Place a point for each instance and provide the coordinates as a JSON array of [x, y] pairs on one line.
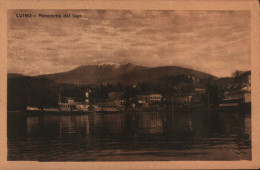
[[239, 97], [149, 98], [236, 98]]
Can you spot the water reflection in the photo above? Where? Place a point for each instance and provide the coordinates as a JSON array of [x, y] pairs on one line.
[[32, 125], [150, 123], [130, 136]]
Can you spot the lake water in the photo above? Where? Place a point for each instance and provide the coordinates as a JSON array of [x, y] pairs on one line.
[[135, 136]]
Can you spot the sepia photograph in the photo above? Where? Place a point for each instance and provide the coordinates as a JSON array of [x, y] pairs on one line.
[[128, 85], [120, 85]]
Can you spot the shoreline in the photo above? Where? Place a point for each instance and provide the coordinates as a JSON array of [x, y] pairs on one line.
[[245, 110]]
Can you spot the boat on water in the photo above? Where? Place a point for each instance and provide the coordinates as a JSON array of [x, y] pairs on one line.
[[50, 109], [69, 105], [108, 107], [29, 108], [86, 107], [72, 106], [240, 99]]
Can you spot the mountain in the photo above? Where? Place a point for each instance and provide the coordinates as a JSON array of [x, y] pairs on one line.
[[93, 73], [157, 74], [126, 74], [14, 75]]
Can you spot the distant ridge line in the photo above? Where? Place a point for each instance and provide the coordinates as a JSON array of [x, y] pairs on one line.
[[127, 73]]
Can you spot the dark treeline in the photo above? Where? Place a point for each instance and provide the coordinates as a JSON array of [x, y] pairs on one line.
[[43, 93], [24, 91]]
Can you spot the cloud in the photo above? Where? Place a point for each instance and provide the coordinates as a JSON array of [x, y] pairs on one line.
[[217, 42]]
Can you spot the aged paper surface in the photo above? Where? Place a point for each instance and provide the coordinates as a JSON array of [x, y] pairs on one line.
[[169, 114]]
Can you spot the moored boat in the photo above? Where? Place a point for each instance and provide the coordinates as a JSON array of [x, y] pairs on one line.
[[29, 108], [236, 100]]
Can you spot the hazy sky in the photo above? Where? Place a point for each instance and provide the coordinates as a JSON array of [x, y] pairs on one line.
[[216, 42]]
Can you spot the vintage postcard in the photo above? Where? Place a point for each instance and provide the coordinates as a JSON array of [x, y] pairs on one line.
[[129, 84]]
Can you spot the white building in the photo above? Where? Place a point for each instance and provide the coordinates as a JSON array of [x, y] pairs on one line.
[[150, 98]]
